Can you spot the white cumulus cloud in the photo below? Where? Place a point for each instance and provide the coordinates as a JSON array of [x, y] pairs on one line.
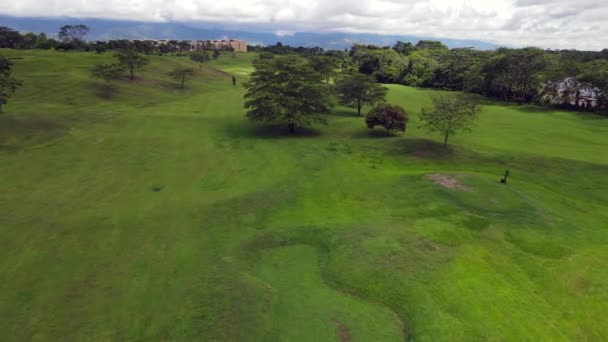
[[546, 23]]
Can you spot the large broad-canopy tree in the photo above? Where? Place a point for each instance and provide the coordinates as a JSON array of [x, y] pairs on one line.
[[522, 72], [325, 65], [454, 68], [108, 72], [420, 69], [404, 48], [8, 84], [385, 65], [132, 61], [286, 90], [357, 90], [10, 38], [431, 45], [392, 118], [514, 74], [450, 114], [73, 33], [42, 42]]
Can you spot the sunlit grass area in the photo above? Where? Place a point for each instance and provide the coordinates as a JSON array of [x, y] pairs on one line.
[[162, 214]]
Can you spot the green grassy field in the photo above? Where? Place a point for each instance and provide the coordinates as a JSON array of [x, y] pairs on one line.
[[161, 214]]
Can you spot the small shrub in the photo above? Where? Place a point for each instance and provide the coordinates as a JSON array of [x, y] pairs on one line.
[[392, 118]]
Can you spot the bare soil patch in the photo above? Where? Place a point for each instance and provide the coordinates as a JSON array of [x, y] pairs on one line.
[[449, 181], [343, 331]]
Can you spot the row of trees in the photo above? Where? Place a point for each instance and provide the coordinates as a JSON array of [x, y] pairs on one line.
[[11, 39], [565, 78], [126, 61], [130, 61], [520, 75], [280, 49], [72, 37], [295, 91]]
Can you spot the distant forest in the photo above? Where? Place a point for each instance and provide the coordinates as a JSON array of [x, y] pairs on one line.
[[563, 78]]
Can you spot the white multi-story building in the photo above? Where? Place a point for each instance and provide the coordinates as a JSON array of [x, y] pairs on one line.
[[200, 45], [237, 45]]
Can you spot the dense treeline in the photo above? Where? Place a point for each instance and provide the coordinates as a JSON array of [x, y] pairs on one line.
[[11, 39], [565, 78], [280, 49]]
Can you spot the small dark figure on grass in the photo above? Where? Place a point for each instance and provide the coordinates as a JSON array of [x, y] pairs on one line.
[[507, 174], [233, 80]]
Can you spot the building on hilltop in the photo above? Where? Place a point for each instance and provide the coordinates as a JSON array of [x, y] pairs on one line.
[[200, 45], [226, 44]]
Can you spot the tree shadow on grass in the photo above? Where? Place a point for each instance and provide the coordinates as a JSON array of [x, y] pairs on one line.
[[172, 85], [19, 131], [104, 90], [373, 134], [108, 92], [345, 113], [598, 115], [422, 148], [524, 107], [539, 109], [271, 131], [533, 109]]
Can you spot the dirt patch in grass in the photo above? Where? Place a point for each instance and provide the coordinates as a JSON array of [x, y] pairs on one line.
[[429, 246], [343, 331], [425, 149], [450, 182], [578, 285]]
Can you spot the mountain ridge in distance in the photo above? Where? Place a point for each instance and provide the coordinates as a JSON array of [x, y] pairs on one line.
[[104, 29]]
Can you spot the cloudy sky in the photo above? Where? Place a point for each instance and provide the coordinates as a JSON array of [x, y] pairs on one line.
[[546, 23]]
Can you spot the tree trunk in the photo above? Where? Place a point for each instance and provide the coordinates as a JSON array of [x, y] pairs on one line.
[[445, 140], [132, 77], [388, 132], [358, 107], [292, 127]]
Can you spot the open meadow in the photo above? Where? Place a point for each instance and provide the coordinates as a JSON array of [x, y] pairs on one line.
[[155, 213]]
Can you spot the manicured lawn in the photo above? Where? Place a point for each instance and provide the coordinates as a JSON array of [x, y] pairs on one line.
[[161, 214]]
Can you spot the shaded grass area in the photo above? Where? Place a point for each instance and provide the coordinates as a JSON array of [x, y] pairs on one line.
[[161, 214]]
